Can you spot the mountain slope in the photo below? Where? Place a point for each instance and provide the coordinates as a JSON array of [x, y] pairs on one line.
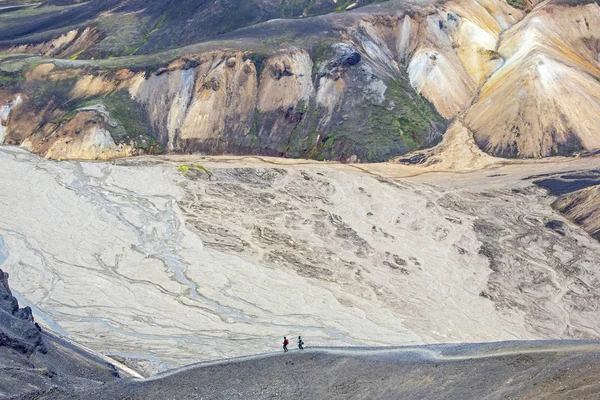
[[579, 197], [348, 97], [583, 207], [125, 27], [538, 370], [106, 79], [545, 99]]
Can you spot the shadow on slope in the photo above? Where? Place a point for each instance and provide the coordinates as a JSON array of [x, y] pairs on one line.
[[578, 197]]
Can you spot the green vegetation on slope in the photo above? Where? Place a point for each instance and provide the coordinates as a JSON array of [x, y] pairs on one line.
[[125, 34], [156, 27], [55, 92], [402, 123], [9, 79], [405, 118], [520, 4], [321, 52], [133, 122]]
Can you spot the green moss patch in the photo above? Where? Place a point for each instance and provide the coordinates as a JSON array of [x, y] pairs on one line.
[[194, 170], [8, 79], [520, 4]]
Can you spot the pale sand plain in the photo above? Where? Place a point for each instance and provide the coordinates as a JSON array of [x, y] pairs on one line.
[[158, 268]]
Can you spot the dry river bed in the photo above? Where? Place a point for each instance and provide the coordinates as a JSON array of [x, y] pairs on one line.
[[158, 267]]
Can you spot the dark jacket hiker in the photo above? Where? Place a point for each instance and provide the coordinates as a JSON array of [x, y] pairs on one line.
[[285, 343]]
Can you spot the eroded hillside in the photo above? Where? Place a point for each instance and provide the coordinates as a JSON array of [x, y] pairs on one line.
[[367, 84]]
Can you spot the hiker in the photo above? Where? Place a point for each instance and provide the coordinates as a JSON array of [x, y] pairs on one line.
[[300, 343], [285, 343]]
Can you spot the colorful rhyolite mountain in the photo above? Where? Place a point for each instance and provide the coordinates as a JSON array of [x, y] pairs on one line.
[[349, 81]]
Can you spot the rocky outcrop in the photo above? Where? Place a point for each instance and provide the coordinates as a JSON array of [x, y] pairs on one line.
[[582, 207], [85, 136], [18, 331], [34, 363]]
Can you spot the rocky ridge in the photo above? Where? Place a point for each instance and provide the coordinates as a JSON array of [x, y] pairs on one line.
[[17, 328], [34, 363]]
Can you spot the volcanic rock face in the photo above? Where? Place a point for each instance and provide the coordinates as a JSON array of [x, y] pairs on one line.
[[33, 363], [17, 329]]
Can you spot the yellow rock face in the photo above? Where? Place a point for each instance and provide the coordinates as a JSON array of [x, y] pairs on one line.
[[477, 34], [83, 137], [229, 89], [222, 93], [286, 79], [455, 51], [99, 85], [442, 80]]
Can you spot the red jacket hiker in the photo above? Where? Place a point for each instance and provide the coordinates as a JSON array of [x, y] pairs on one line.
[[285, 343]]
